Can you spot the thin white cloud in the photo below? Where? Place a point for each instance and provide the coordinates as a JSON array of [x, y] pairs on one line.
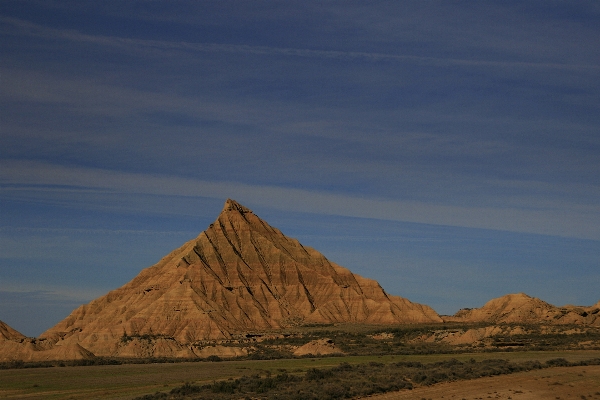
[[92, 98], [559, 219], [92, 231], [31, 29], [50, 292]]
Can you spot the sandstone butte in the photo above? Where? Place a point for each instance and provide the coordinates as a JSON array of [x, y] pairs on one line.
[[511, 315], [239, 275], [8, 333], [521, 308]]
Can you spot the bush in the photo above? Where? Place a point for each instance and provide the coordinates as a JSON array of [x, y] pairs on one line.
[[186, 389], [557, 362], [351, 381], [314, 374]]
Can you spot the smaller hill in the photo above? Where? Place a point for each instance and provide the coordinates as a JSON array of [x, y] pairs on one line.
[[14, 346], [581, 314], [8, 333], [521, 308], [318, 347]]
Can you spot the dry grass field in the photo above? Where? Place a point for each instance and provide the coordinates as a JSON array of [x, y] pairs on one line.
[[131, 380], [558, 383]]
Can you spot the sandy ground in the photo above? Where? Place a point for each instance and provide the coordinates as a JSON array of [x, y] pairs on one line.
[[551, 383]]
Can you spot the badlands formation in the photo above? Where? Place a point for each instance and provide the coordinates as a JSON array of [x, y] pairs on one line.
[[8, 333], [239, 277], [522, 309], [510, 316]]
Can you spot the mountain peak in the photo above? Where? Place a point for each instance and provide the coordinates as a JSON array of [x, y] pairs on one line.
[[239, 275], [8, 333], [232, 205]]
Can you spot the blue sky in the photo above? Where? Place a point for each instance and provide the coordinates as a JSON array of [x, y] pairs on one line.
[[449, 150]]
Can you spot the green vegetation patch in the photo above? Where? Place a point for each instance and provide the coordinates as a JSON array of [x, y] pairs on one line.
[[349, 381]]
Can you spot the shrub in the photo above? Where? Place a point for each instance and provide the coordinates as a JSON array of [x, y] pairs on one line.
[[351, 381], [186, 389], [314, 374], [557, 362]]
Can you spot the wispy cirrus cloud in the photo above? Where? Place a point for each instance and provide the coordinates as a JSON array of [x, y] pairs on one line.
[[551, 218], [23, 27], [33, 308], [72, 231], [49, 293]]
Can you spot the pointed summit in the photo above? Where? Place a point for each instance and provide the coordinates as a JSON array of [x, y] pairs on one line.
[[239, 275], [232, 205], [8, 333]]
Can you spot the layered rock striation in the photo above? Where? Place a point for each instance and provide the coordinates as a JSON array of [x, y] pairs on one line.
[[243, 276], [239, 275], [8, 333]]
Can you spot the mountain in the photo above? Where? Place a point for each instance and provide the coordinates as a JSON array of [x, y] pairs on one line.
[[14, 346], [521, 308], [239, 275], [8, 333], [242, 277]]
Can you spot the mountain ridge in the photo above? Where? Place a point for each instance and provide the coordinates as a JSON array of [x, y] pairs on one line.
[[522, 308], [9, 333], [240, 276]]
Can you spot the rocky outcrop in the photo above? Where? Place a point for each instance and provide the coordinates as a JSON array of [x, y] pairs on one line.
[[520, 308], [318, 347], [580, 315], [8, 333], [15, 346], [473, 336], [221, 351], [238, 275]]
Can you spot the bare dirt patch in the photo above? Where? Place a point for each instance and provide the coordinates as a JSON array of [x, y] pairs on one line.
[[557, 383]]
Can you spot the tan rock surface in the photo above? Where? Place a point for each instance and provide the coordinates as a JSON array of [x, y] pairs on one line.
[[67, 351], [35, 350], [221, 351], [238, 275], [15, 346], [581, 315], [521, 308], [318, 347], [147, 348], [473, 336], [8, 333]]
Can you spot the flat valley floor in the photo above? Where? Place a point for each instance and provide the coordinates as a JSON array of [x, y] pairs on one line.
[[131, 380], [547, 384]]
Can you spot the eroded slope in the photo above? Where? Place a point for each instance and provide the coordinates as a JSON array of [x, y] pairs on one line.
[[238, 275]]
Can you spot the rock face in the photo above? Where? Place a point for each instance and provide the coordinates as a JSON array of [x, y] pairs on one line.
[[318, 347], [8, 333], [15, 346], [521, 308], [239, 275]]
